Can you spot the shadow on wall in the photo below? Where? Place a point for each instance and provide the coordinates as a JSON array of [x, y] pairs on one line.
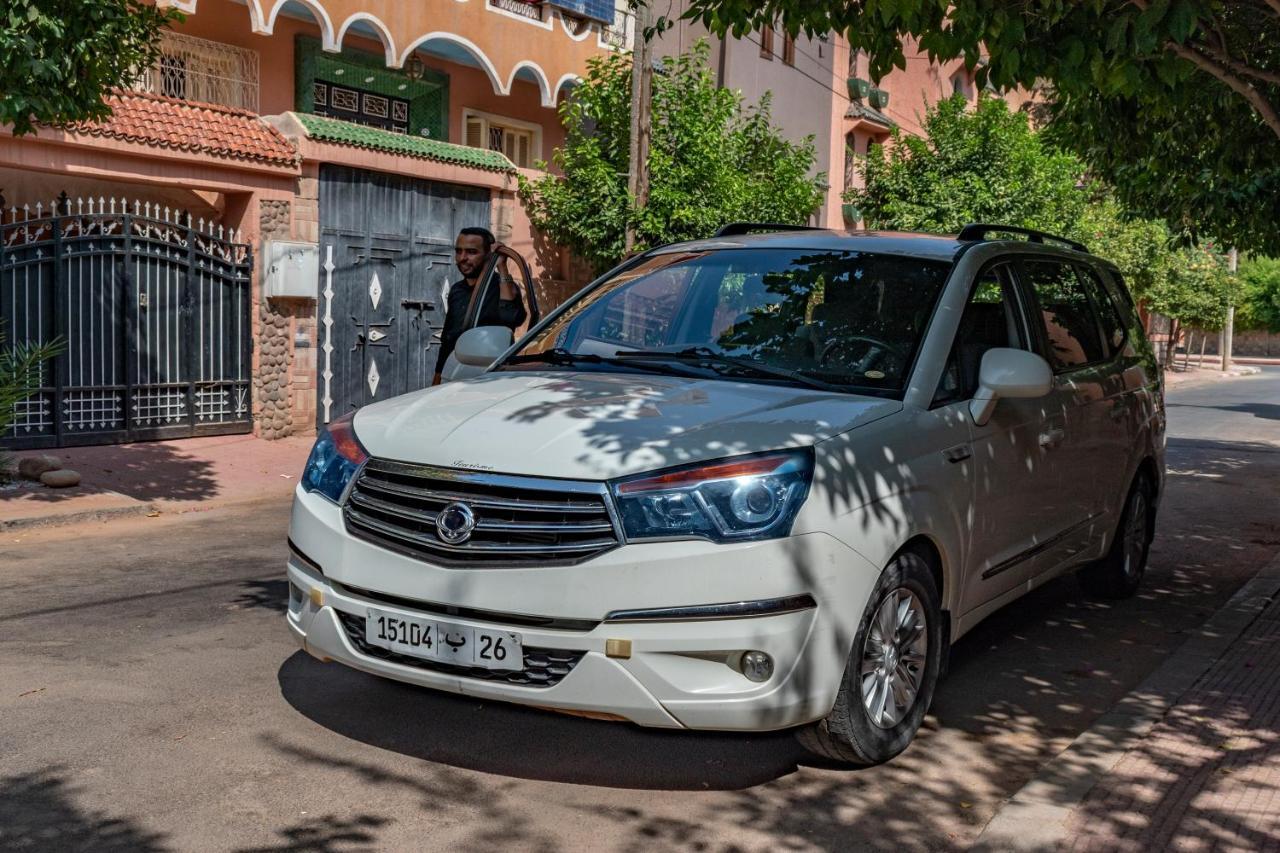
[[145, 471], [38, 812]]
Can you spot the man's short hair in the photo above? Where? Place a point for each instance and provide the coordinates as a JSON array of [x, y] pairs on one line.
[[483, 233]]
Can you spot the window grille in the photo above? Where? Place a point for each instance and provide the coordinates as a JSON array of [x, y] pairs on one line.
[[525, 9], [621, 34], [518, 143], [196, 69]]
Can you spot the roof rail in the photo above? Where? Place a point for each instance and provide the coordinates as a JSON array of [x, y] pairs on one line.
[[978, 231], [737, 229]]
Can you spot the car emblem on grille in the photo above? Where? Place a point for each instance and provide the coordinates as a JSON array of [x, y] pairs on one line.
[[455, 523]]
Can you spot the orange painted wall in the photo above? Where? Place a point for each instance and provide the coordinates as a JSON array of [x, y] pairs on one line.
[[229, 23]]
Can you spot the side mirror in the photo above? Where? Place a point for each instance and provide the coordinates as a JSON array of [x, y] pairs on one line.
[[481, 346], [1008, 373]]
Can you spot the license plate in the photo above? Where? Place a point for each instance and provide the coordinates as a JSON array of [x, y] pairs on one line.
[[445, 642]]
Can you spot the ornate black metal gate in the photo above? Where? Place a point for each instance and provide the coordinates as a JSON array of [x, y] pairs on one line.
[[153, 309]]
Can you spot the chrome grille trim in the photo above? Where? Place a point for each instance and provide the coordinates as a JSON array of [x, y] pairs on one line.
[[520, 521]]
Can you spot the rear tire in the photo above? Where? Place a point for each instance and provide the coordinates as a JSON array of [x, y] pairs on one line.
[[887, 687], [1119, 574]]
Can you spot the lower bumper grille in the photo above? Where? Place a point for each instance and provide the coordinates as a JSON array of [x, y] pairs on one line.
[[542, 667]]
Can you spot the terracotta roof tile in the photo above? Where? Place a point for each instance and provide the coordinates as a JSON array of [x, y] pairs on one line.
[[191, 126]]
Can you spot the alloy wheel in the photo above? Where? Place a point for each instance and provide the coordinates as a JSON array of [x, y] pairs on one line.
[[894, 655], [1135, 533]]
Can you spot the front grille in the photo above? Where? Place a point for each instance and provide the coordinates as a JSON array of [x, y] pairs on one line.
[[520, 521], [542, 667]]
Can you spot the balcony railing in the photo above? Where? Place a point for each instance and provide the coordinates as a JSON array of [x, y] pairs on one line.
[[621, 34], [524, 9], [196, 69]]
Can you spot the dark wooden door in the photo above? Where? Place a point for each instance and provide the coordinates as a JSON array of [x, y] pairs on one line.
[[386, 257]]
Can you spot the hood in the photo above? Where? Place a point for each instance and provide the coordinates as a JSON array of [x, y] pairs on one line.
[[596, 426]]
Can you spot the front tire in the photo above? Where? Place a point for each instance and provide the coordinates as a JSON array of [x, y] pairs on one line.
[[1119, 574], [891, 673]]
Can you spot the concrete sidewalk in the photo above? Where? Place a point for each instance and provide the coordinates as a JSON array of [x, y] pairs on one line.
[[158, 477], [1188, 761]]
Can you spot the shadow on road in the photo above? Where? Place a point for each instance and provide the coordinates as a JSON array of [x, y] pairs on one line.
[[146, 471], [527, 743], [38, 812]]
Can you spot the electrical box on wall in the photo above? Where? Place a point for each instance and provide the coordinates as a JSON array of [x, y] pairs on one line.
[[290, 270]]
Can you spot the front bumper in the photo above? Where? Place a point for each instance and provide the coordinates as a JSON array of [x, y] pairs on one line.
[[679, 673]]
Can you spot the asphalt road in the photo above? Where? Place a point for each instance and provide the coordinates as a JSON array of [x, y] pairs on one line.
[[152, 699]]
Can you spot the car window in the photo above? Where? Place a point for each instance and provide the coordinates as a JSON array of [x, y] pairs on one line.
[[842, 318], [1071, 327], [990, 320], [1108, 314], [643, 315]]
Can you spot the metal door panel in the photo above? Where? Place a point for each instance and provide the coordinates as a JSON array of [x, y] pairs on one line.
[[390, 241]]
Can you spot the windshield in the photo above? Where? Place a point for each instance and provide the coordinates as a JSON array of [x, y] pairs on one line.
[[841, 320]]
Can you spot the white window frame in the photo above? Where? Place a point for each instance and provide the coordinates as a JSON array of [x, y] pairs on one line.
[[535, 149]]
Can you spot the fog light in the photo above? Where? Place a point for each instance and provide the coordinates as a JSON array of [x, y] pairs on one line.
[[757, 666]]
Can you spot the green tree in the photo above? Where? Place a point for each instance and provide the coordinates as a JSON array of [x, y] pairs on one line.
[[1260, 296], [988, 165], [1175, 103], [711, 161], [58, 58], [984, 165]]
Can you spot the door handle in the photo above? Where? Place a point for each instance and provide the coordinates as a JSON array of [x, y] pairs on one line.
[[959, 453], [418, 304], [1051, 438]]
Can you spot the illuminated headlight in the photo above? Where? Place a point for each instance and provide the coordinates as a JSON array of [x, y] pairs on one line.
[[752, 497], [334, 460]]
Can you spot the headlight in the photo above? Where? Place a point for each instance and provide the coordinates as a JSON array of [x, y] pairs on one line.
[[752, 497], [334, 460]]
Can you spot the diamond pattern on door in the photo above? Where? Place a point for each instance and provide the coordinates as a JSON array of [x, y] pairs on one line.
[[373, 378], [375, 290]]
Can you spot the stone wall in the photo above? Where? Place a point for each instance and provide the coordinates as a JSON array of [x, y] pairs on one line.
[[1245, 342], [272, 412]]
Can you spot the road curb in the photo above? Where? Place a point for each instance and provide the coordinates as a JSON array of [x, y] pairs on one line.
[[75, 517], [1035, 818]]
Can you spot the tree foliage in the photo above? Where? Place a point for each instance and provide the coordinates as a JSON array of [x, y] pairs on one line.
[[1176, 103], [1260, 297], [983, 165], [59, 57], [988, 165], [711, 161]]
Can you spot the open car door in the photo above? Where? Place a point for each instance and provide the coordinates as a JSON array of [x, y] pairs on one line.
[[486, 293]]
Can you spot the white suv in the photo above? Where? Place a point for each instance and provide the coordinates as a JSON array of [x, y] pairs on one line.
[[753, 482]]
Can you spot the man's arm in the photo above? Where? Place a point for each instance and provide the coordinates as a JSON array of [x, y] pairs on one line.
[[511, 311]]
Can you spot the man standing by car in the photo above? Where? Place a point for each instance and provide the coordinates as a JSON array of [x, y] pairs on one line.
[[502, 306]]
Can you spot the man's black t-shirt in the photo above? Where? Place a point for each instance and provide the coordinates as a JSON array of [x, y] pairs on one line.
[[494, 312]]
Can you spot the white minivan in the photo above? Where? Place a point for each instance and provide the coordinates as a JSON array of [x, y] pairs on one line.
[[753, 482]]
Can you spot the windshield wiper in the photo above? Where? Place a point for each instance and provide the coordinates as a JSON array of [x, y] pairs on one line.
[[557, 355], [562, 356], [706, 355]]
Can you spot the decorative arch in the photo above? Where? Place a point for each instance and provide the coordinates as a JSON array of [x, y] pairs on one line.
[[548, 95], [468, 45], [568, 81], [383, 33], [264, 22]]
